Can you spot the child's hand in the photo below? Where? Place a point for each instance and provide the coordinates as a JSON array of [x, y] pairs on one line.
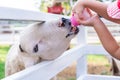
[[92, 21], [78, 8]]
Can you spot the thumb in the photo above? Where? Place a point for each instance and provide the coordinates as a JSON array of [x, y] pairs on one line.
[[84, 22]]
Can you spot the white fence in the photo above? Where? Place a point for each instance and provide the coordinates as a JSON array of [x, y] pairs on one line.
[[48, 69]]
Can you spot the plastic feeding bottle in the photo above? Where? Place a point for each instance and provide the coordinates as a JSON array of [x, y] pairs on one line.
[[85, 15]]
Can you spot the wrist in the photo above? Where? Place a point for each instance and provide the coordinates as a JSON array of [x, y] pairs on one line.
[[98, 23]]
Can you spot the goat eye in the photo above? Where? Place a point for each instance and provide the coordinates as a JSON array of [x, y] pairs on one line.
[[35, 49]]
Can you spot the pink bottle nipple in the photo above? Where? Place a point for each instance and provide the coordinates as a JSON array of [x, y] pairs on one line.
[[74, 22]]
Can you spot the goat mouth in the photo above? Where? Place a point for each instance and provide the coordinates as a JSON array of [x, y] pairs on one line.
[[73, 31]]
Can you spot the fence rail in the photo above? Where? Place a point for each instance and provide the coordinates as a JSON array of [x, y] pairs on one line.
[[48, 69]]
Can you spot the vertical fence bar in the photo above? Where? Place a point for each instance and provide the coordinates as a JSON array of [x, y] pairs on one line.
[[82, 62]]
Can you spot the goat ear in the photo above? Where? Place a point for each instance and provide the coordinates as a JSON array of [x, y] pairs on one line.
[[41, 22], [21, 48]]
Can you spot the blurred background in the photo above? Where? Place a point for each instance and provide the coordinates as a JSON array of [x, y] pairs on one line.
[[10, 29]]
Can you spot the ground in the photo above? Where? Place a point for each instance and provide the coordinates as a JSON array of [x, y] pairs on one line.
[[70, 72], [95, 66]]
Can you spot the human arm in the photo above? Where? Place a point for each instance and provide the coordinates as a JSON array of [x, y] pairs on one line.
[[105, 36], [99, 7]]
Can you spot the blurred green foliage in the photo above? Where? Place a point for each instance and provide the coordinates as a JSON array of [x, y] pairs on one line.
[[3, 52]]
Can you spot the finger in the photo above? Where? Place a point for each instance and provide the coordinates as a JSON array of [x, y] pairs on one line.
[[77, 10], [89, 11], [84, 22], [95, 15], [77, 17], [73, 10]]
